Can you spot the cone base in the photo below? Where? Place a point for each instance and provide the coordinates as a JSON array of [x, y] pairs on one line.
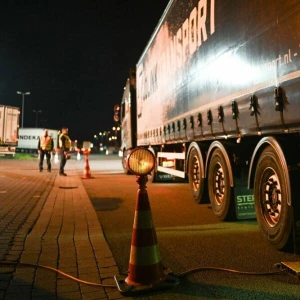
[[86, 176], [146, 275], [131, 290]]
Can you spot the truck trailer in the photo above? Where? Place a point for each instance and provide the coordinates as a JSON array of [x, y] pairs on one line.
[[215, 95], [28, 139], [9, 125]]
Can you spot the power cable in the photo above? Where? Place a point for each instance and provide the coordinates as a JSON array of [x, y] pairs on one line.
[[186, 273], [58, 271], [181, 275]]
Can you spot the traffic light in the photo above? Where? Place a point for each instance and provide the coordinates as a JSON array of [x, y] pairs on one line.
[[117, 113]]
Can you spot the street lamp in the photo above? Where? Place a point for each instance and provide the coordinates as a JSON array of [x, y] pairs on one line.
[[36, 118], [23, 97]]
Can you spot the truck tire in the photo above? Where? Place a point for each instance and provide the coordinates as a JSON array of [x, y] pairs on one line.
[[195, 174], [219, 189], [271, 186]]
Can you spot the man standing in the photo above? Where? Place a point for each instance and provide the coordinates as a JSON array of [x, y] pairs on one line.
[[45, 147], [64, 147]]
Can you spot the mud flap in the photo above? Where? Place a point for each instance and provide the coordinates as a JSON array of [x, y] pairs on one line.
[[296, 229], [244, 203], [296, 234], [294, 179]]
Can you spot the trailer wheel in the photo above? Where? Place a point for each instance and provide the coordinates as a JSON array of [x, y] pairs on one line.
[[195, 173], [274, 215], [219, 189]]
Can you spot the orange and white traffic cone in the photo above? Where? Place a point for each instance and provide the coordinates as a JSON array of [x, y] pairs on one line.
[[86, 171], [78, 155], [146, 270], [56, 159], [145, 265]]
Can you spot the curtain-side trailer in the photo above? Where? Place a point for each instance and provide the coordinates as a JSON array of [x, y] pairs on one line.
[[28, 139], [217, 99], [9, 125]]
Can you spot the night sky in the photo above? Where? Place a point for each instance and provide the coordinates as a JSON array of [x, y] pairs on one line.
[[73, 59]]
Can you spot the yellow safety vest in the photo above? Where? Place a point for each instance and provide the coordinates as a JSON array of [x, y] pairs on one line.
[[67, 141], [45, 143]]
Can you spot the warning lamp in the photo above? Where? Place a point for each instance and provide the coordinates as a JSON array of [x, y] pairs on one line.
[[140, 161]]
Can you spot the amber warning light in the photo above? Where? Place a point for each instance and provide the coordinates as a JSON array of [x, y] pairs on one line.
[[140, 161]]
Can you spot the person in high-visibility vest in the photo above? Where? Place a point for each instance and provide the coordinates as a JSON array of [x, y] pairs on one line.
[[45, 147], [64, 147]]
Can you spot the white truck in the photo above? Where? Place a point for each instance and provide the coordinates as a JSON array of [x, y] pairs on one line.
[[9, 125], [216, 97], [28, 139]]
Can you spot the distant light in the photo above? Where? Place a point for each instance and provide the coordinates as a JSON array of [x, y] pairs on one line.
[[20, 93]]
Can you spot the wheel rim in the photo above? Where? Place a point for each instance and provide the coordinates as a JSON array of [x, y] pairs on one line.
[[271, 197], [196, 174], [219, 184]]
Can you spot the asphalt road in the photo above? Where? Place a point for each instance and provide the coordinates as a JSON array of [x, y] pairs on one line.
[[190, 238]]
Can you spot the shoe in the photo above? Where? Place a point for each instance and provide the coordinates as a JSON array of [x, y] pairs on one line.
[[40, 170], [62, 174], [49, 170]]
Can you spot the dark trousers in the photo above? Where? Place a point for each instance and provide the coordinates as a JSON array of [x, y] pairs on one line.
[[62, 162], [48, 159]]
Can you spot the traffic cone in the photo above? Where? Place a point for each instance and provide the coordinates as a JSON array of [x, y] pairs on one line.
[[145, 265], [78, 155], [56, 160], [86, 171], [146, 270]]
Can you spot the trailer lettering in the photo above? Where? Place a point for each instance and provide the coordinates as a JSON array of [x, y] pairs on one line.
[[202, 13], [192, 25], [280, 60], [245, 199], [185, 39], [191, 35], [149, 83], [178, 46], [193, 31], [28, 137]]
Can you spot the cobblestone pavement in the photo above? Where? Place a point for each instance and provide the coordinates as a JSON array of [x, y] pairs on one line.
[[48, 220]]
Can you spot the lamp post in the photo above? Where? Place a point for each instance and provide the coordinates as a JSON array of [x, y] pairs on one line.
[[23, 98], [36, 118]]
